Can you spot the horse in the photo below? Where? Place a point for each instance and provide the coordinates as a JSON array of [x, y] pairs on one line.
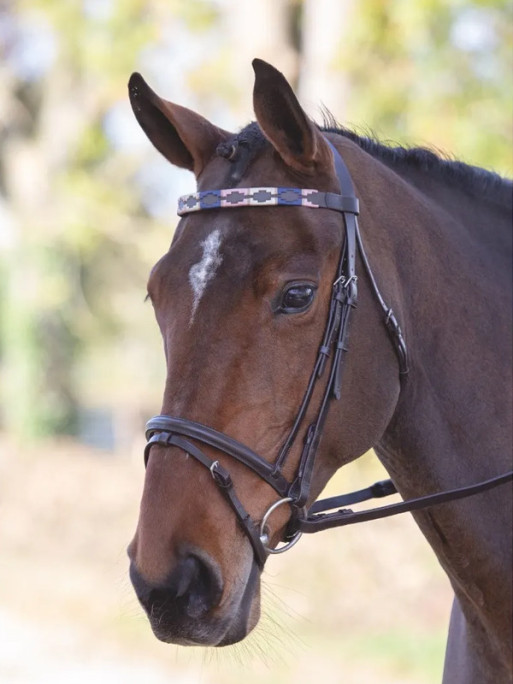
[[262, 403]]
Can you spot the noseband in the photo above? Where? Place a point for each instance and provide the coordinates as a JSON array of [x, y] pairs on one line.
[[170, 431]]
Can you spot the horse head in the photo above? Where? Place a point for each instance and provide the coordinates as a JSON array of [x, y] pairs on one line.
[[243, 299]]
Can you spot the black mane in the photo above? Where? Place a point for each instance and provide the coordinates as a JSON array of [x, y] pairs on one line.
[[246, 144], [471, 179]]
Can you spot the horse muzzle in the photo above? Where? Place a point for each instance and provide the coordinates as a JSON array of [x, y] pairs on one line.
[[188, 608]]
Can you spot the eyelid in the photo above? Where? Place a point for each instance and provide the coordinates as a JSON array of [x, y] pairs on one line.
[[299, 283]]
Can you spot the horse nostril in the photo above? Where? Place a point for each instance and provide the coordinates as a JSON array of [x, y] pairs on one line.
[[192, 589], [197, 585], [189, 575]]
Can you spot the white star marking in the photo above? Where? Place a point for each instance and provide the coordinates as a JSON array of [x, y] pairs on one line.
[[201, 273]]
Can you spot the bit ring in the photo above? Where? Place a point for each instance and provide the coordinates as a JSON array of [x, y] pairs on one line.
[[264, 537]]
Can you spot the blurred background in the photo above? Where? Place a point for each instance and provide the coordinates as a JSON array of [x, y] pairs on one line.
[[86, 207]]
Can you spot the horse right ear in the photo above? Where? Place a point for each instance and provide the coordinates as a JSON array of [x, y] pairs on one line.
[[185, 138]]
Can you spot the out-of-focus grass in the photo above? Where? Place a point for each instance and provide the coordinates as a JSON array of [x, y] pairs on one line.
[[357, 605]]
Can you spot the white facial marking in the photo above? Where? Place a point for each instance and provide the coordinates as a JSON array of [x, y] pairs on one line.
[[201, 273]]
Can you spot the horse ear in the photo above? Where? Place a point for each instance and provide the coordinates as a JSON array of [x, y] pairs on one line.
[[284, 122], [185, 138]]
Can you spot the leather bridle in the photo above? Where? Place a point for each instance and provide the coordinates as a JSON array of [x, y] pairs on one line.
[[171, 431]]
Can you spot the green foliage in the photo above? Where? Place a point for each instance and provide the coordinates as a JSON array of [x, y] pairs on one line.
[[435, 73], [99, 42], [75, 243]]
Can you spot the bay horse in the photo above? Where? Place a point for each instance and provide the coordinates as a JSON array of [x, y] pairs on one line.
[[262, 404]]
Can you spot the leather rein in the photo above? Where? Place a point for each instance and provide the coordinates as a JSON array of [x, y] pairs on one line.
[[166, 430]]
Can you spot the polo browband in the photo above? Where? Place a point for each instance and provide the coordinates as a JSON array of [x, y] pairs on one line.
[[178, 432], [265, 197]]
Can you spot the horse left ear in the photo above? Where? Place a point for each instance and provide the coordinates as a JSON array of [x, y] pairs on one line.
[[284, 122]]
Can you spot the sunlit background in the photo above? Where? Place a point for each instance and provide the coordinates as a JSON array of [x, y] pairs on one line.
[[86, 207]]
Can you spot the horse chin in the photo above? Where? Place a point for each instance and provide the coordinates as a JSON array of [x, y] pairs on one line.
[[222, 627]]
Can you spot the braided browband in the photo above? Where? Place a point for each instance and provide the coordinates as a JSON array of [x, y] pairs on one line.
[[262, 197]]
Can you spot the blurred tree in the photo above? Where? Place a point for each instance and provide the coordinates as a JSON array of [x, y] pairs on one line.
[[435, 73], [325, 29], [271, 37], [72, 261]]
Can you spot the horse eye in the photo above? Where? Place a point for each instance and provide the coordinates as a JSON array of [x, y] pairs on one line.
[[297, 298]]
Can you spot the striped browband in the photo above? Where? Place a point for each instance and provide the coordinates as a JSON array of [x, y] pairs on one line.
[[265, 197]]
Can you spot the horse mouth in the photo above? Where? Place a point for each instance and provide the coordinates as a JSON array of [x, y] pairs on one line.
[[219, 627]]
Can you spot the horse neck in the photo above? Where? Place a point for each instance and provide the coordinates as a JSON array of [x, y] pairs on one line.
[[453, 267], [452, 424]]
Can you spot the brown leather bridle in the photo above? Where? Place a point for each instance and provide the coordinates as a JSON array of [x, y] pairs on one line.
[[170, 431]]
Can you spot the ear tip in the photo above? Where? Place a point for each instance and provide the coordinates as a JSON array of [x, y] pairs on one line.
[[138, 90], [265, 72], [260, 66], [135, 83]]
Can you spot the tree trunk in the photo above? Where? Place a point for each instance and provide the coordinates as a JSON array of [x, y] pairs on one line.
[[322, 83]]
